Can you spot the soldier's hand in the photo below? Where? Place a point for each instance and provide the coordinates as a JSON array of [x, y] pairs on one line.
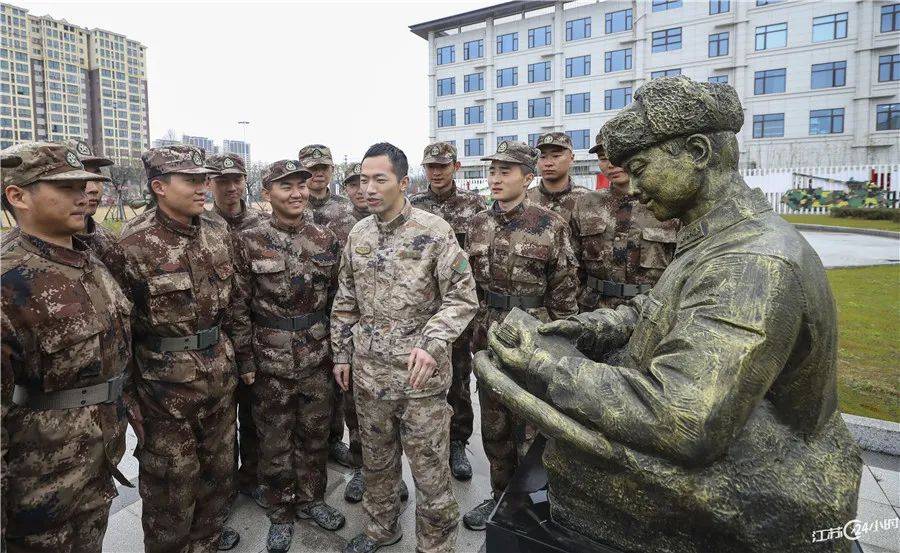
[[342, 375], [248, 378], [571, 330], [421, 366]]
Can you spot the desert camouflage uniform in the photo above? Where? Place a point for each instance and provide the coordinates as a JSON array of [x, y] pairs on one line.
[[403, 284], [181, 278]]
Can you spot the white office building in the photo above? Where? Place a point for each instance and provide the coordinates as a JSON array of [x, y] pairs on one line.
[[819, 80]]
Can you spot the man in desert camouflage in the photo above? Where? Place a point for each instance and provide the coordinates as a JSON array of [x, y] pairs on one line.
[[65, 343], [457, 207], [351, 189], [176, 262], [521, 256], [405, 294], [556, 191]]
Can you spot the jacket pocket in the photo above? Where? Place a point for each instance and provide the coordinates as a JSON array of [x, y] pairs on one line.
[[170, 298], [529, 263], [72, 352], [657, 247]]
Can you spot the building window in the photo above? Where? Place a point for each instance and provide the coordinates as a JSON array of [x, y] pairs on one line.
[[539, 72], [445, 55], [667, 39], [539, 107], [826, 121], [578, 29], [507, 138], [665, 73], [581, 139], [473, 147], [767, 2], [769, 82], [533, 138], [578, 103], [887, 117], [578, 67], [719, 6], [889, 68], [617, 60], [718, 45], [473, 49], [473, 82], [474, 115], [663, 5], [507, 111], [507, 43], [890, 18], [829, 27], [447, 118], [619, 21], [507, 77], [769, 125], [617, 98], [771, 36], [720, 79], [539, 36], [828, 75], [446, 87]]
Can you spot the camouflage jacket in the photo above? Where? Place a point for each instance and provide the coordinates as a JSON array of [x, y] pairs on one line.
[[96, 237], [283, 271], [562, 203], [616, 238], [522, 252], [456, 206], [334, 213], [65, 324], [248, 217], [359, 214], [181, 279], [403, 284]]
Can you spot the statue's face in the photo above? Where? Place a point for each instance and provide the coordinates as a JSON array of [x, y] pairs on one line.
[[667, 184]]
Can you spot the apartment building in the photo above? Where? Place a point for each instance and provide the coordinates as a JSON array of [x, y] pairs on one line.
[[203, 142], [238, 147]]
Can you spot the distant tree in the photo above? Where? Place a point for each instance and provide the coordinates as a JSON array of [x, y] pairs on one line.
[[254, 180]]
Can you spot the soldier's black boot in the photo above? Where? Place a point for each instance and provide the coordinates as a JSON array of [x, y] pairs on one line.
[[459, 463], [339, 453], [260, 498], [280, 536], [364, 544], [404, 490], [322, 514], [476, 519], [228, 538], [355, 487]]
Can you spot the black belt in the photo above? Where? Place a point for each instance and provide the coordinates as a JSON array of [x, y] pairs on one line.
[[202, 340], [617, 289], [505, 301], [105, 392], [298, 322]]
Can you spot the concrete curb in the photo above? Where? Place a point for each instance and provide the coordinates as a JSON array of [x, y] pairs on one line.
[[874, 434], [850, 230]]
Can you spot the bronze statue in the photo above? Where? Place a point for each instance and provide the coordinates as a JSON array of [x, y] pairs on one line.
[[700, 417]]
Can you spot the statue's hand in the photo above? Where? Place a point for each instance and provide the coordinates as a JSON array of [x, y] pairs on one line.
[[571, 330], [515, 347]]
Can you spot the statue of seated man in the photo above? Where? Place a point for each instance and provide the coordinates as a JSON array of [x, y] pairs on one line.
[[700, 417]]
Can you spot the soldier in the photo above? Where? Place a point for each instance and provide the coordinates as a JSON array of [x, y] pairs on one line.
[[336, 214], [65, 343], [622, 247], [556, 191], [405, 294], [521, 257], [286, 273], [351, 189], [176, 262], [457, 207]]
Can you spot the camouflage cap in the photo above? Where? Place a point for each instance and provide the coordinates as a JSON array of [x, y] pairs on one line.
[[439, 152], [315, 154], [597, 148], [227, 164], [44, 161], [86, 153], [515, 152], [281, 169], [560, 139], [178, 158], [9, 159], [354, 171], [669, 107]]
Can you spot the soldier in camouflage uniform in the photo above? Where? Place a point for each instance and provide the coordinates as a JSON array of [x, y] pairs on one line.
[[351, 189], [457, 207], [286, 273], [556, 191], [622, 247], [336, 214], [521, 256], [176, 262], [405, 294], [65, 343]]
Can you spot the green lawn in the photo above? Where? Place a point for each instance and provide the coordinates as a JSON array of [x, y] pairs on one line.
[[868, 304], [842, 222]]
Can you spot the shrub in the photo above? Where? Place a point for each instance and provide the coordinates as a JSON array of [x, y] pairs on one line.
[[871, 213]]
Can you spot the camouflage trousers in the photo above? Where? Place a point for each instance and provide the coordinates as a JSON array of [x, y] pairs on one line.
[[248, 444], [420, 428], [187, 476], [459, 396], [80, 534], [506, 439], [292, 422]]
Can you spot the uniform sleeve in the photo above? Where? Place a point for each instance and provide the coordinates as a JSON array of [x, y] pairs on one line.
[[344, 310], [458, 299], [10, 353], [241, 324], [562, 278], [736, 322], [117, 262]]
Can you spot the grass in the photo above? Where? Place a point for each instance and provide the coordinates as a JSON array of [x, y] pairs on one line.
[[868, 305], [842, 222]]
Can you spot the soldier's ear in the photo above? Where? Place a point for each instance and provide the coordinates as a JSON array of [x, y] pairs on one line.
[[404, 184], [265, 193], [456, 166], [700, 149], [15, 198], [158, 187]]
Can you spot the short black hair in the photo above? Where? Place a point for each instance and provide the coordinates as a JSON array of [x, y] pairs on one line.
[[396, 156]]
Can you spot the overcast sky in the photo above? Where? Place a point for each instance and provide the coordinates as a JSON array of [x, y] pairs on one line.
[[345, 74]]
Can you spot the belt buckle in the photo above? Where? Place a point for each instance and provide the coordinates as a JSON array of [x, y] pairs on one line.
[[114, 388], [207, 337], [297, 323]]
